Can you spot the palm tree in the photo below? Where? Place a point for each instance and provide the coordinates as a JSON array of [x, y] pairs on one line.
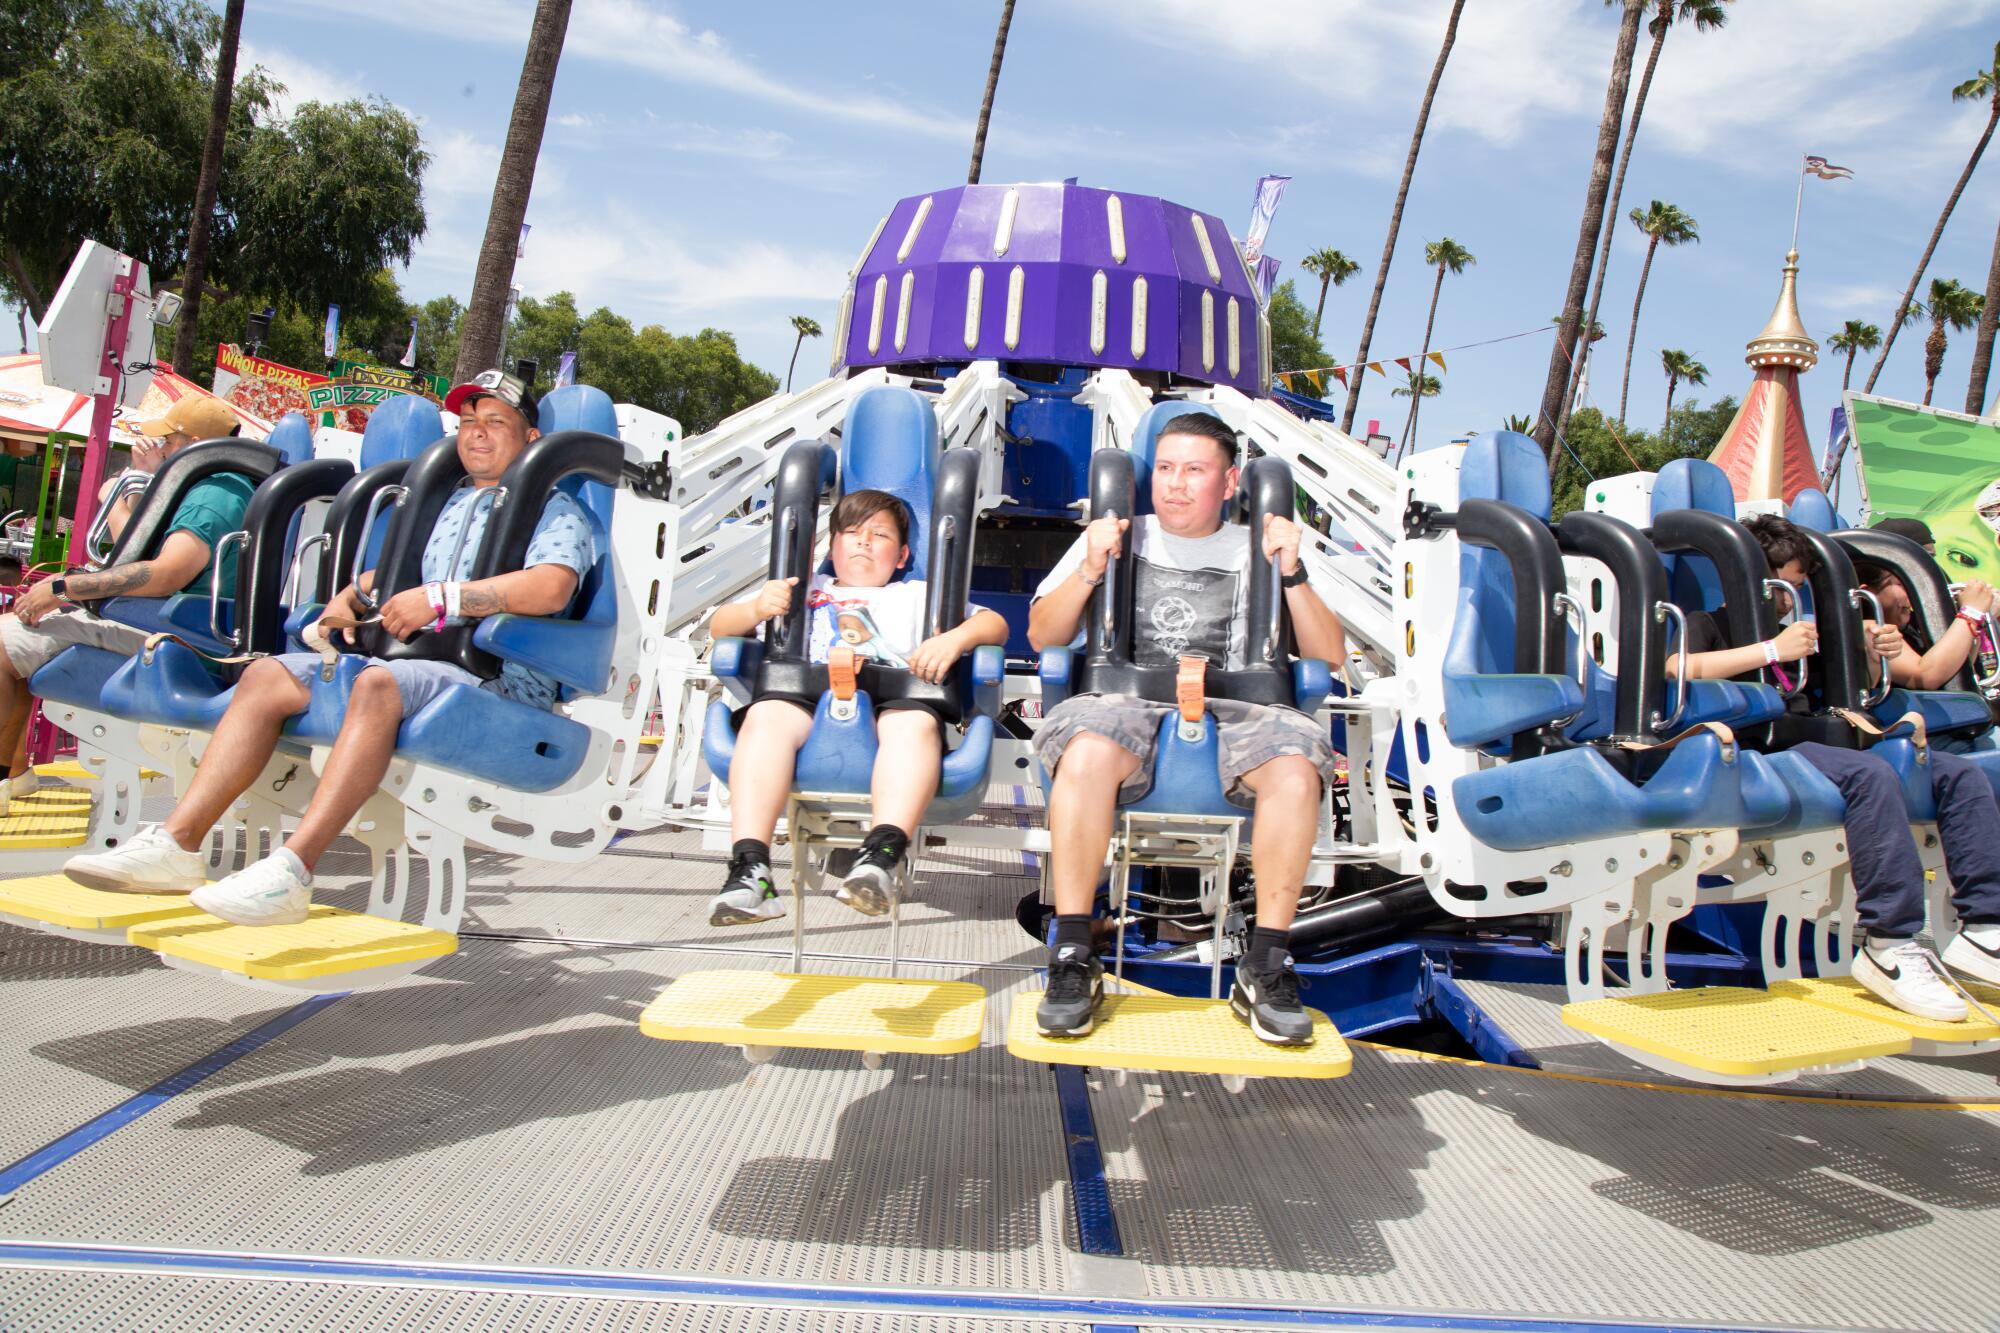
[[1679, 366], [1420, 386], [1705, 15], [807, 327], [1982, 342], [1520, 425], [1985, 84], [1396, 217], [1663, 224], [1332, 268], [480, 332], [1855, 336], [206, 184], [1446, 256], [986, 102], [1952, 306], [1556, 389]]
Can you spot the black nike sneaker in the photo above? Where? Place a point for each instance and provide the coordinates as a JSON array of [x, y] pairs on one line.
[[749, 895], [1269, 1002], [1076, 985]]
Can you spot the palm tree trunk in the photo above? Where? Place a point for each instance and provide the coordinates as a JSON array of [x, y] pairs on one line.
[[206, 185], [480, 333], [1417, 397], [1557, 387], [795, 360], [1617, 193], [1933, 357], [992, 82], [1327, 282], [1396, 219], [1667, 424], [1895, 323], [1982, 347], [1632, 338], [1848, 374]]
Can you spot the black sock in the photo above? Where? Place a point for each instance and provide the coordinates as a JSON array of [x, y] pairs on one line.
[[889, 836], [755, 847], [6, 771], [1266, 947], [1073, 929]]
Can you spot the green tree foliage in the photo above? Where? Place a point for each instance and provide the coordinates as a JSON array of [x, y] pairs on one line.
[[1693, 432], [103, 107], [1293, 346]]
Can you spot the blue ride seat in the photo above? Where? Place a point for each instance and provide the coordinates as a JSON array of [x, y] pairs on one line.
[[1186, 777], [1811, 509], [889, 442], [1510, 569], [292, 437], [1146, 435]]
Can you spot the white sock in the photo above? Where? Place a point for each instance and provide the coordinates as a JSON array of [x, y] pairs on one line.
[[291, 858], [1985, 934]]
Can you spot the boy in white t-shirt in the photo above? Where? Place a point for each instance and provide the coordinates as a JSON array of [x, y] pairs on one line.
[[882, 622]]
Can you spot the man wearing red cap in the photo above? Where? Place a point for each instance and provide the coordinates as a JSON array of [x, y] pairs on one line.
[[497, 419], [45, 620]]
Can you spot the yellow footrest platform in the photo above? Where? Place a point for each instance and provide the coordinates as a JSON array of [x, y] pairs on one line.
[[1844, 995], [42, 820], [330, 942], [819, 1012], [1736, 1031], [1176, 1035], [69, 770], [57, 900]]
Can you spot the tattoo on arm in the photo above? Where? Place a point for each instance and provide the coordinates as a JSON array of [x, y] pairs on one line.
[[481, 599], [111, 582]]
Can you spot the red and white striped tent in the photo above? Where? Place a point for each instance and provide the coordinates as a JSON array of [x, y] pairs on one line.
[[30, 409]]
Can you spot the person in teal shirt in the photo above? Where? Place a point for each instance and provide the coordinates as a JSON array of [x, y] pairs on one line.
[[43, 622]]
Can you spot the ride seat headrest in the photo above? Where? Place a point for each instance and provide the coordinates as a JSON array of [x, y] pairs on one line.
[[1508, 466], [1811, 509], [582, 407], [292, 437], [890, 443], [1152, 423], [400, 428], [1693, 483]]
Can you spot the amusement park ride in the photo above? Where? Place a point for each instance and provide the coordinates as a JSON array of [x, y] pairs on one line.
[[1526, 799]]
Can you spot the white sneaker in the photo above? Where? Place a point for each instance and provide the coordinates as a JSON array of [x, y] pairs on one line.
[[1974, 953], [266, 893], [1902, 974], [150, 862], [21, 784]]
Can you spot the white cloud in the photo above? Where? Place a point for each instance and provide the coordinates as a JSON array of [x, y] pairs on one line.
[[645, 37], [304, 81], [462, 164], [632, 264]]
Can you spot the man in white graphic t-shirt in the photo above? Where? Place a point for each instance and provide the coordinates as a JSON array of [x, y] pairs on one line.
[[1191, 580]]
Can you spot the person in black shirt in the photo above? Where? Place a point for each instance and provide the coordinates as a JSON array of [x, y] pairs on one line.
[[1928, 666], [1888, 876]]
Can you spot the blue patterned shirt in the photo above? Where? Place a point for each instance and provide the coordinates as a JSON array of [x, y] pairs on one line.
[[562, 537]]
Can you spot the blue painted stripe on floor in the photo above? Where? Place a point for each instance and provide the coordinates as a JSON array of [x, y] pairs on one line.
[[1099, 1310], [1114, 1328], [69, 1145], [1090, 1192]]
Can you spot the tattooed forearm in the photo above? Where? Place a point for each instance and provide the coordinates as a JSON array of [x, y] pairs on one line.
[[111, 582], [482, 599]]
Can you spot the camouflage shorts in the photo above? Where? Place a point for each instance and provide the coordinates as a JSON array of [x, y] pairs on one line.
[[1249, 736]]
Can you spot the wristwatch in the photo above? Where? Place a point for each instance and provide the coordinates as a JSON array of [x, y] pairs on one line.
[[1295, 578], [59, 588]]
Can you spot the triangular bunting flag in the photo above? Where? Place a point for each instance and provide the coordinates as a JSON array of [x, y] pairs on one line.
[[1340, 373], [1404, 362], [1318, 384], [1439, 358], [1376, 366]]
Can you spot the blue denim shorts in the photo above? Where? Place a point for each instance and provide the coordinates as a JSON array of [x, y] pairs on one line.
[[417, 682]]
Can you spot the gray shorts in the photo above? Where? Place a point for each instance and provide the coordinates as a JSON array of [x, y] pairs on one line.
[[417, 682], [1248, 735], [31, 648]]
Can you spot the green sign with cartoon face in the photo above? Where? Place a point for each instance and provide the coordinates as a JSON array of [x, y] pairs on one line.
[[1942, 467]]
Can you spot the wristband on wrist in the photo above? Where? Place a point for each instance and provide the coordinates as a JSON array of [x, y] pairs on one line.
[[453, 592], [1770, 652], [435, 593], [1088, 581], [1972, 619], [1295, 578]]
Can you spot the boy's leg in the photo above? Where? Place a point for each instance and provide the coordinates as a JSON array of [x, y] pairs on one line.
[[1969, 826], [760, 782], [907, 758], [1888, 885], [167, 859]]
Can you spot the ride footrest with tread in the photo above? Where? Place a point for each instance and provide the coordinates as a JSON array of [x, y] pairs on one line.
[[329, 942], [57, 900], [819, 1012], [1736, 1031], [49, 818], [1175, 1035], [71, 770], [1847, 996]]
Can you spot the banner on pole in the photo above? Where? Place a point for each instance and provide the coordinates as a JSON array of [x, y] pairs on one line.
[[1270, 189], [332, 331]]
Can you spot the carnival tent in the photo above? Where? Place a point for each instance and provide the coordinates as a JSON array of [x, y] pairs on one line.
[[30, 409]]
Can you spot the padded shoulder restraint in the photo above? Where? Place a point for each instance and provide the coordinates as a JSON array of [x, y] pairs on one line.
[[154, 515]]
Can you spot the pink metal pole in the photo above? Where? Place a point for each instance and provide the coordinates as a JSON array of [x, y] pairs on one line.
[[105, 406]]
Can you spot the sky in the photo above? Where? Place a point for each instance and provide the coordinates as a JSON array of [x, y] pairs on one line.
[[721, 166]]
